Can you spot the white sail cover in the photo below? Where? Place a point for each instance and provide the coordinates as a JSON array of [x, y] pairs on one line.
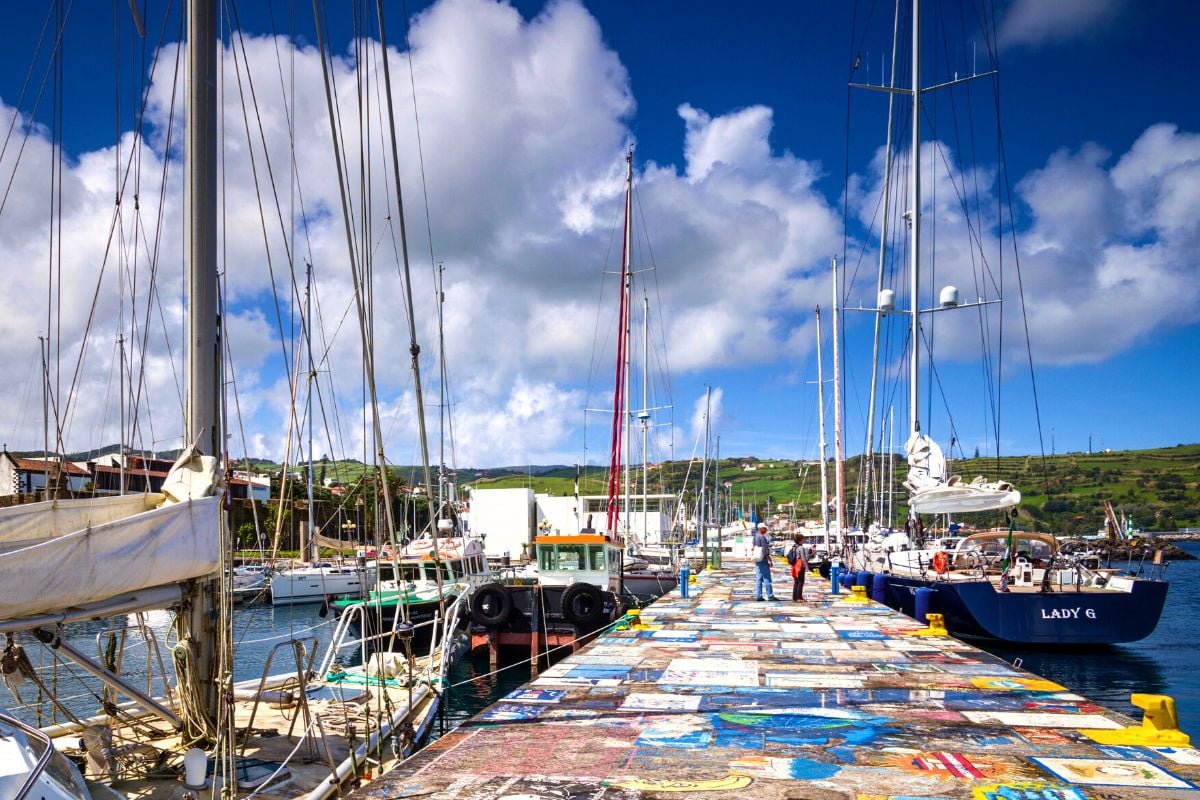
[[933, 493], [64, 553]]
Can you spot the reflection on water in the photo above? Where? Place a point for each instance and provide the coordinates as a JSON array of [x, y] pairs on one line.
[[474, 687]]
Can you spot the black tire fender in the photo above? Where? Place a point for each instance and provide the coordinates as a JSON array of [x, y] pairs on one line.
[[583, 605], [491, 605]]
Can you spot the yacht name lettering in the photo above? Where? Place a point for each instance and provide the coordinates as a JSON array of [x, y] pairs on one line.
[[1068, 613]]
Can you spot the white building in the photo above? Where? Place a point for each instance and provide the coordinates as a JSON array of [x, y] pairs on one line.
[[510, 518], [28, 475]]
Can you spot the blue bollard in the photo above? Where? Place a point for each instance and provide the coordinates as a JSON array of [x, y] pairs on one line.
[[835, 578], [879, 584], [924, 604], [685, 574]]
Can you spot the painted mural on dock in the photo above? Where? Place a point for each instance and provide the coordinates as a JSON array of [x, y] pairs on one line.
[[718, 696]]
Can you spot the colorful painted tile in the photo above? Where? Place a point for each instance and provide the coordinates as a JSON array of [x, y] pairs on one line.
[[711, 672], [653, 701], [1040, 720], [856, 634], [1180, 755], [531, 695], [511, 712], [1026, 789], [1015, 684], [1111, 772]]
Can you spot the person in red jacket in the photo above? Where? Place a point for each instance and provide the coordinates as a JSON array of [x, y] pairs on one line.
[[799, 564]]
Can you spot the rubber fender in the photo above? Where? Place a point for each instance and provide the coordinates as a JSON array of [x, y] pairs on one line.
[[491, 605], [583, 605]]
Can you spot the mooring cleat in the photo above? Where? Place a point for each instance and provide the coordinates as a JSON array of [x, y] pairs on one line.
[[1160, 725], [937, 626], [858, 594]]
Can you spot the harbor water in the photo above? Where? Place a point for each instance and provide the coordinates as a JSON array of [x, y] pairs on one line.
[[1167, 662]]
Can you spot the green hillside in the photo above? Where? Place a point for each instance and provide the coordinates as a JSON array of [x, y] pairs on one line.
[[1158, 489]]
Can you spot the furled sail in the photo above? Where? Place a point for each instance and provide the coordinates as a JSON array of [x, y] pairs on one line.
[[61, 554], [933, 493]]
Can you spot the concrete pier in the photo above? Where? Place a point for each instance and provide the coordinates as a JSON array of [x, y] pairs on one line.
[[718, 696]]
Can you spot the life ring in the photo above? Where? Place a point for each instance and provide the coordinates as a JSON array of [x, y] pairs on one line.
[[941, 563], [583, 605], [491, 605]]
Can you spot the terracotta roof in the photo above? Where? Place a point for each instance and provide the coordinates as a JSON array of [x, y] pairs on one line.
[[37, 465]]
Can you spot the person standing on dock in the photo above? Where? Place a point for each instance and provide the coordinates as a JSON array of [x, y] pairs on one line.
[[762, 564], [799, 564]]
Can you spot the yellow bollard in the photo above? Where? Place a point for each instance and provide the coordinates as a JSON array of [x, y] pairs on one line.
[[858, 594], [1160, 725], [937, 626]]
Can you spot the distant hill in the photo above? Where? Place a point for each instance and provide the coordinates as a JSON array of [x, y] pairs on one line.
[[1157, 489]]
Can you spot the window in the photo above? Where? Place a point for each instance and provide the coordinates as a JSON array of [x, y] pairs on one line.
[[596, 552], [570, 556]]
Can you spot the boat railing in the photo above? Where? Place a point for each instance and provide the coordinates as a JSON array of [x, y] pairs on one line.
[[343, 638], [43, 760], [304, 650]]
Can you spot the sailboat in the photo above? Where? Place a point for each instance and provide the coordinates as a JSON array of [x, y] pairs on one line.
[[653, 562], [1007, 585], [304, 728]]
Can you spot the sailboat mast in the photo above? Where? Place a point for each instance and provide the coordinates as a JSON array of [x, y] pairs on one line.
[[868, 460], [121, 442], [202, 421], [914, 221], [627, 287], [839, 475], [701, 520], [312, 531], [620, 435], [821, 421], [644, 415]]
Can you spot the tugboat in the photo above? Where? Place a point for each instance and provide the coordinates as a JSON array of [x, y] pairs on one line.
[[576, 593]]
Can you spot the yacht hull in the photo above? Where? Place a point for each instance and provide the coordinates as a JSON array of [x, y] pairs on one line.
[[977, 609]]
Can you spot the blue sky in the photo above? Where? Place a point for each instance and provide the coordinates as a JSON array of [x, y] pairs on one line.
[[739, 121]]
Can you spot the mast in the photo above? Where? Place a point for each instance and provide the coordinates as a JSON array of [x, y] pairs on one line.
[[312, 531], [644, 416], [914, 221], [700, 515], [627, 287], [414, 349], [121, 385], [821, 417], [717, 501], [202, 422], [883, 228], [839, 476], [44, 349], [621, 376]]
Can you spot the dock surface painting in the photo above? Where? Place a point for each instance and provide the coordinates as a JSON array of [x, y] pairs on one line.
[[718, 696]]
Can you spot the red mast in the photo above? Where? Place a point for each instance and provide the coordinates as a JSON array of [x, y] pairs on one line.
[[619, 378]]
